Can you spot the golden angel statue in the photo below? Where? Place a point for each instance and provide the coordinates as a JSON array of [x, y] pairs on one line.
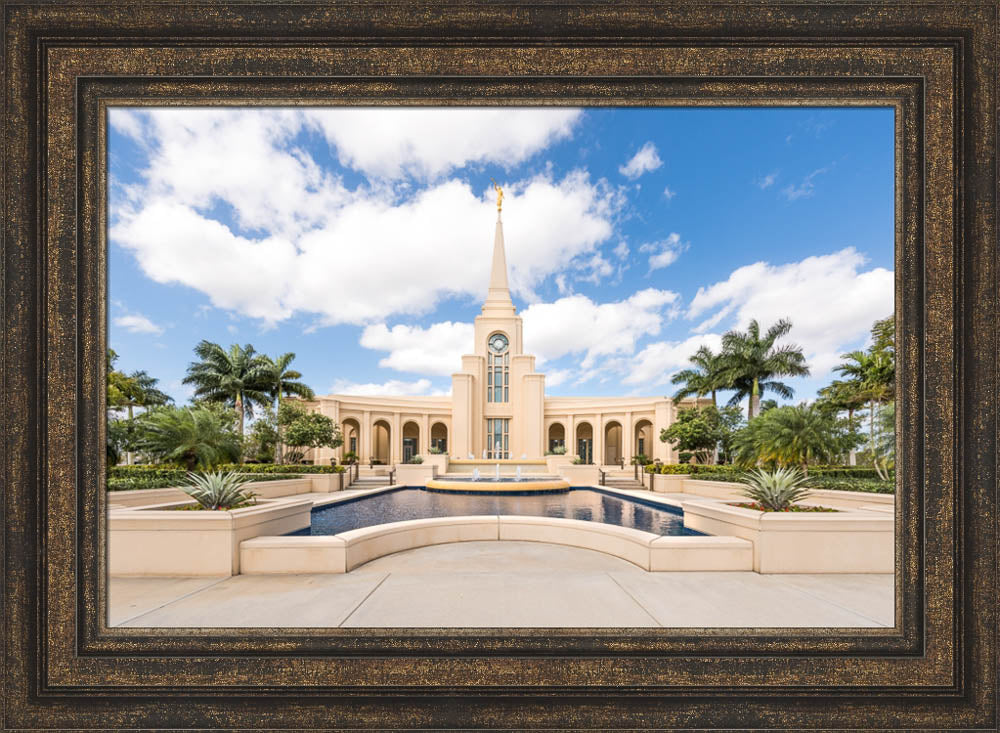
[[499, 194]]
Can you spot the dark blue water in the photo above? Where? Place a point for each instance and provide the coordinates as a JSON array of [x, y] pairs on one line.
[[413, 503]]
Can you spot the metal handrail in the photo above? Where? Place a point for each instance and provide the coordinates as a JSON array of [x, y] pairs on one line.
[[392, 477], [603, 476]]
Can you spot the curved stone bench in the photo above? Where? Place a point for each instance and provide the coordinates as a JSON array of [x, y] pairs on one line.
[[348, 550]]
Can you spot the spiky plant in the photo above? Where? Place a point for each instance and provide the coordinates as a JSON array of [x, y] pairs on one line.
[[777, 490], [218, 490]]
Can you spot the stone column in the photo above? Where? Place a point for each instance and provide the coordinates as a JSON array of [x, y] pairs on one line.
[[424, 444], [599, 439], [396, 441], [628, 439], [365, 438]]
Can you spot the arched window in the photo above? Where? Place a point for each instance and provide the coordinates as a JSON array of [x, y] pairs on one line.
[[498, 369]]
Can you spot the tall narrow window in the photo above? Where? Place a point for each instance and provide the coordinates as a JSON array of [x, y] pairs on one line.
[[497, 445], [498, 369]]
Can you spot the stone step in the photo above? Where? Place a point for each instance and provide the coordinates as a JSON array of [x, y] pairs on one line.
[[624, 484]]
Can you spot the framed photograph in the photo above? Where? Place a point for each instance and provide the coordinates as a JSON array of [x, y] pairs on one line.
[[559, 366]]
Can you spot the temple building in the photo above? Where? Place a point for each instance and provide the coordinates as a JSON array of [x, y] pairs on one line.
[[498, 409]]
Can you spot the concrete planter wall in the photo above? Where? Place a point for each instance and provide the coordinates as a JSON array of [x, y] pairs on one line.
[[835, 542], [160, 542], [439, 460], [346, 551], [665, 483], [554, 464], [581, 474], [414, 474]]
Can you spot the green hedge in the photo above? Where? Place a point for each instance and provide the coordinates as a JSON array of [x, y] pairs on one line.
[[841, 472], [149, 470], [872, 486], [166, 482], [127, 478], [276, 468]]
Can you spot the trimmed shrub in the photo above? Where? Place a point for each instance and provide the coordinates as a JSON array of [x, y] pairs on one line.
[[128, 478], [283, 468]]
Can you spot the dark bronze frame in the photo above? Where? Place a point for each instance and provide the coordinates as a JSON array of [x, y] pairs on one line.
[[65, 63]]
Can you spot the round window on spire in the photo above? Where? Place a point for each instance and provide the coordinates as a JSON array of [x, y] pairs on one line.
[[498, 343]]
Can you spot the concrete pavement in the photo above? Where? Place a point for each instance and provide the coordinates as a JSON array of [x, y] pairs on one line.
[[504, 584]]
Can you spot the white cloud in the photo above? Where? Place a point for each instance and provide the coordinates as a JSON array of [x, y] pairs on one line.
[[830, 299], [621, 250], [137, 323], [391, 388], [768, 180], [429, 142], [127, 122], [556, 377], [577, 325], [645, 160], [435, 350], [665, 252], [805, 189], [668, 194], [656, 363], [291, 238]]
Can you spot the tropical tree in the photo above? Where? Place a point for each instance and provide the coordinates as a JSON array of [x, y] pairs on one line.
[[794, 436], [703, 430], [196, 437], [696, 430], [117, 381], [261, 441], [284, 383], [752, 362], [873, 373], [128, 391], [843, 396], [705, 378], [304, 429], [239, 377]]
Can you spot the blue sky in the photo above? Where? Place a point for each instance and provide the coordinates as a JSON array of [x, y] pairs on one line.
[[360, 239]]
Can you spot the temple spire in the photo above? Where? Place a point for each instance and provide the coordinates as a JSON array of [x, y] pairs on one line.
[[498, 299]]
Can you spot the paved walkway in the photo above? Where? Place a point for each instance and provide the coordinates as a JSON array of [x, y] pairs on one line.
[[504, 584]]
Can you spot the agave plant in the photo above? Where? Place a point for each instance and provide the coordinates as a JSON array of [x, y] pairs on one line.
[[777, 490], [218, 490]]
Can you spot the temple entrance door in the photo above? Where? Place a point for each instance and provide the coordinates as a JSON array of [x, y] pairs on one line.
[[585, 449], [409, 449]]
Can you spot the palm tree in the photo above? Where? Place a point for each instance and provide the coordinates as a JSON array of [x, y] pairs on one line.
[[840, 396], [874, 373], [284, 383], [793, 436], [140, 390], [705, 378], [195, 437], [238, 377], [751, 362], [129, 391]]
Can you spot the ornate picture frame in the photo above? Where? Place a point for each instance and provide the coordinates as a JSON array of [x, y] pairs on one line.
[[66, 63]]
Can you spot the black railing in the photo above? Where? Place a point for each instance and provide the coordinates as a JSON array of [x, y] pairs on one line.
[[392, 476], [604, 477]]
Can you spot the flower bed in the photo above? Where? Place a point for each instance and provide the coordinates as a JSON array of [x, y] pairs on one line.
[[793, 508]]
